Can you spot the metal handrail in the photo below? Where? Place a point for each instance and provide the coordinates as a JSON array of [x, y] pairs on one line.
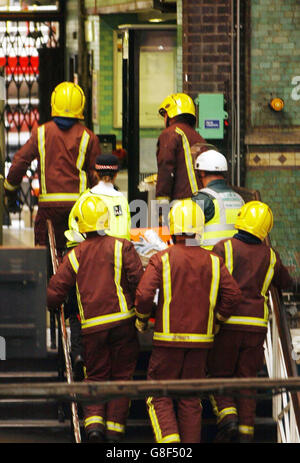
[[285, 404], [64, 336]]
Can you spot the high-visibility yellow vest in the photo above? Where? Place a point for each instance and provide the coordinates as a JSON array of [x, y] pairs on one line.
[[119, 214], [227, 205]]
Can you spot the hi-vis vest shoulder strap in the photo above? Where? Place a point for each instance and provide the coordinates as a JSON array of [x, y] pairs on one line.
[[221, 226], [124, 311], [61, 196], [167, 334], [188, 161], [252, 321]]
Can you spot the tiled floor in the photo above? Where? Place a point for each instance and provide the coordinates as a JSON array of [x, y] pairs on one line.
[[17, 235]]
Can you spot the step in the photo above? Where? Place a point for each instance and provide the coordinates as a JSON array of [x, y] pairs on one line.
[[34, 423], [23, 409], [28, 376]]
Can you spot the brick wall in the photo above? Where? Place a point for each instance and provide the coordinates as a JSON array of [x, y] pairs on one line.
[[206, 46]]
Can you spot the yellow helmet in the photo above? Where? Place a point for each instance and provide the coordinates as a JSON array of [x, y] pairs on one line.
[[177, 103], [67, 100], [91, 214], [256, 218], [186, 216]]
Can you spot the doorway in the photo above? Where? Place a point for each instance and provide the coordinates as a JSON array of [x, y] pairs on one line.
[[148, 60]]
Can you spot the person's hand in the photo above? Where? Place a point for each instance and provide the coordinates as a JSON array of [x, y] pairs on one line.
[[142, 327], [217, 328], [12, 202]]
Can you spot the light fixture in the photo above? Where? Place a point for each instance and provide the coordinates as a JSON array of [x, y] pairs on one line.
[[276, 104]]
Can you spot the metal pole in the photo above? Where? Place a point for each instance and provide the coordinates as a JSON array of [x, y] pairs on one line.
[[238, 121], [83, 64], [233, 119], [2, 150], [87, 392]]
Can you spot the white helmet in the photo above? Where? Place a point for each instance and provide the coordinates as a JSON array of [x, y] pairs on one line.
[[211, 161]]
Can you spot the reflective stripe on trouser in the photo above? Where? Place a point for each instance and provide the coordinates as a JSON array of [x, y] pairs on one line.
[[96, 421], [238, 354], [167, 427], [246, 430], [95, 417], [110, 355], [180, 363], [225, 413], [157, 408]]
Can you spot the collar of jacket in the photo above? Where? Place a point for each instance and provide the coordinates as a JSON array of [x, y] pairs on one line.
[[64, 123], [247, 237], [173, 121]]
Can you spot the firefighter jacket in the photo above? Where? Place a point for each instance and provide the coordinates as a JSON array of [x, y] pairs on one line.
[[106, 272], [194, 287], [254, 267], [176, 177], [220, 205], [66, 160]]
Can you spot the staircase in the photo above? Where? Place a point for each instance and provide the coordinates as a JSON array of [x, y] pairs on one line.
[[50, 419], [31, 413]]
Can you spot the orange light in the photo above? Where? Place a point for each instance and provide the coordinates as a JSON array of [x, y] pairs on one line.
[[277, 104]]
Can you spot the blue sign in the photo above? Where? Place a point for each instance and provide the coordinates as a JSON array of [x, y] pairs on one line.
[[211, 124]]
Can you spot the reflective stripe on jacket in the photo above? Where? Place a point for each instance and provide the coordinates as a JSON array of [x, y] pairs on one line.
[[65, 163], [246, 320], [207, 335], [124, 311], [176, 177], [188, 161], [106, 272], [221, 226], [191, 281], [254, 267], [82, 179]]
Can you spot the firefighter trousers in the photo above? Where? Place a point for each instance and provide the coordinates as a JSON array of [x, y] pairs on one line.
[[110, 355], [59, 217], [184, 425], [237, 354]]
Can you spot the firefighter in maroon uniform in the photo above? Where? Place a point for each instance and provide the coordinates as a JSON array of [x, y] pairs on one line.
[[194, 288], [238, 349], [66, 151], [106, 272], [176, 177]]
